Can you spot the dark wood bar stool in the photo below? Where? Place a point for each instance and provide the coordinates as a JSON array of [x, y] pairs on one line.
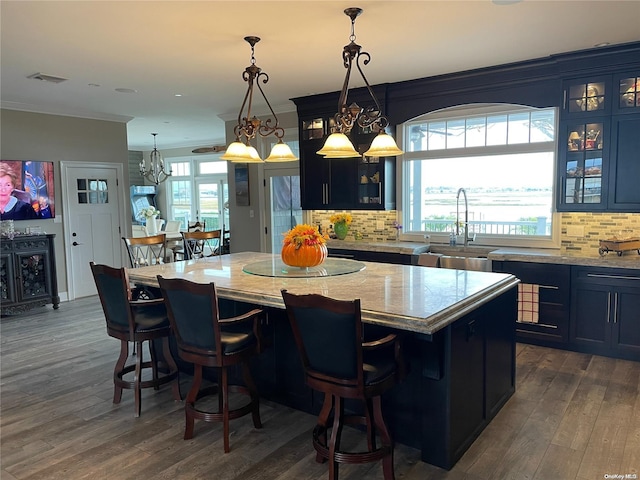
[[136, 321], [336, 361], [208, 341]]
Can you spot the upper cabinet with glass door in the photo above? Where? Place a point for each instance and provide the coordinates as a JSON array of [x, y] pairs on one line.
[[586, 98], [627, 93], [597, 151]]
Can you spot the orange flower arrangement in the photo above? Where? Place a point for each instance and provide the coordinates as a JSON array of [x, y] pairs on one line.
[[304, 235], [304, 246]]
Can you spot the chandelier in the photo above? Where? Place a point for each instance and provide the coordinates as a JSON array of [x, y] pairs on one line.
[[338, 144], [248, 126], [156, 172]]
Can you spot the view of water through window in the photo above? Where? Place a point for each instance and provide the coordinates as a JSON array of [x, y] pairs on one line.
[[505, 161]]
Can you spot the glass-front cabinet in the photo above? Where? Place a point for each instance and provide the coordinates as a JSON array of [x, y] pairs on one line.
[[628, 93], [360, 183], [586, 97], [583, 163], [599, 139]]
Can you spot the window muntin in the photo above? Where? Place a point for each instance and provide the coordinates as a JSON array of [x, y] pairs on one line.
[[503, 157], [516, 127], [191, 190]]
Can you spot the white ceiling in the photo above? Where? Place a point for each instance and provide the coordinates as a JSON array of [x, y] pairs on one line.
[[196, 49]]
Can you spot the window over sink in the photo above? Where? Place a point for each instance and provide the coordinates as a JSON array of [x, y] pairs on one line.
[[502, 155]]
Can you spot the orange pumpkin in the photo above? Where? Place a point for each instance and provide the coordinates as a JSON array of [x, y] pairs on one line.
[[304, 256]]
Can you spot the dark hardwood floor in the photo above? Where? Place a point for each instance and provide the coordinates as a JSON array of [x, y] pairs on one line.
[[573, 416]]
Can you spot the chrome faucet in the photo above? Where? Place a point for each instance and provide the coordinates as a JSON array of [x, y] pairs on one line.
[[466, 217]]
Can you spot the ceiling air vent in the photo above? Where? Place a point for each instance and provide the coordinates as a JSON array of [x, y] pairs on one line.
[[47, 78]]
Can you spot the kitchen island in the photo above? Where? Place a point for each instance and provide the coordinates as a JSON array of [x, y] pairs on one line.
[[458, 330]]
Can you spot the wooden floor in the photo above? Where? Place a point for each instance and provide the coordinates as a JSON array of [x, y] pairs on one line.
[[573, 416]]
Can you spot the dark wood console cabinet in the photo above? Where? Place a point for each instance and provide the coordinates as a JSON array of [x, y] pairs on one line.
[[27, 273]]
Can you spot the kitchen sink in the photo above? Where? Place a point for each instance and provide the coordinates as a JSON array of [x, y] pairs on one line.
[[465, 263], [462, 251]]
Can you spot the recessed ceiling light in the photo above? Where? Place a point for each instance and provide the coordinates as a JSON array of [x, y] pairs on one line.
[[126, 90], [178, 95]]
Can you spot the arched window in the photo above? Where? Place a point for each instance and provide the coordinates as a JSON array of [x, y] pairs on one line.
[[504, 158]]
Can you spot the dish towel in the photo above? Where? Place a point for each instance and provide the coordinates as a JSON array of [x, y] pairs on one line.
[[429, 259], [528, 300]]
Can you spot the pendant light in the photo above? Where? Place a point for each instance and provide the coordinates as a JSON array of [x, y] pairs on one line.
[[338, 144], [248, 126], [156, 172]]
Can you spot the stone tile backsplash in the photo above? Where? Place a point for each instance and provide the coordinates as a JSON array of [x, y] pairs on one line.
[[374, 226], [580, 232]]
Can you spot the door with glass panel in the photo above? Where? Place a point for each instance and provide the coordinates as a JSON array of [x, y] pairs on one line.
[[92, 223], [283, 198], [212, 203]]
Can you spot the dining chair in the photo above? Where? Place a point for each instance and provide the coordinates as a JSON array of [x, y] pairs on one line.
[[143, 252], [226, 242], [337, 362], [174, 238], [197, 226], [205, 340], [201, 244], [138, 231], [136, 321]]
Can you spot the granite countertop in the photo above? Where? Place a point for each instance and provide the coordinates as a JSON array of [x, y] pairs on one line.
[[630, 259], [408, 248], [405, 297]]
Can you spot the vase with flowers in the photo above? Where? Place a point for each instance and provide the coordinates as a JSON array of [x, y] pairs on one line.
[[150, 214], [341, 222], [304, 246]]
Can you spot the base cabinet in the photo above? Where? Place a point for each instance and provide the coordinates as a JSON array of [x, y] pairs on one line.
[[457, 379], [27, 273], [368, 256], [552, 284], [605, 312]]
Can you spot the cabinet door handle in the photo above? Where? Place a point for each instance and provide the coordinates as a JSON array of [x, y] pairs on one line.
[[549, 287], [608, 307], [615, 307], [616, 277]]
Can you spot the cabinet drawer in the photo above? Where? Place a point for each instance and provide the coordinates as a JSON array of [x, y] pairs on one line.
[[609, 276], [553, 280]]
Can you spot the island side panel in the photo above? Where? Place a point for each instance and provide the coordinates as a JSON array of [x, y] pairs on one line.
[[477, 378]]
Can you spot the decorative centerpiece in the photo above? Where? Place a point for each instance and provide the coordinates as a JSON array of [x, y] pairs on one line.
[[304, 246], [150, 214], [341, 222]]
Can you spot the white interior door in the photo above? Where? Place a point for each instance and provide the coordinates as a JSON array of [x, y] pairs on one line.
[[92, 221]]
